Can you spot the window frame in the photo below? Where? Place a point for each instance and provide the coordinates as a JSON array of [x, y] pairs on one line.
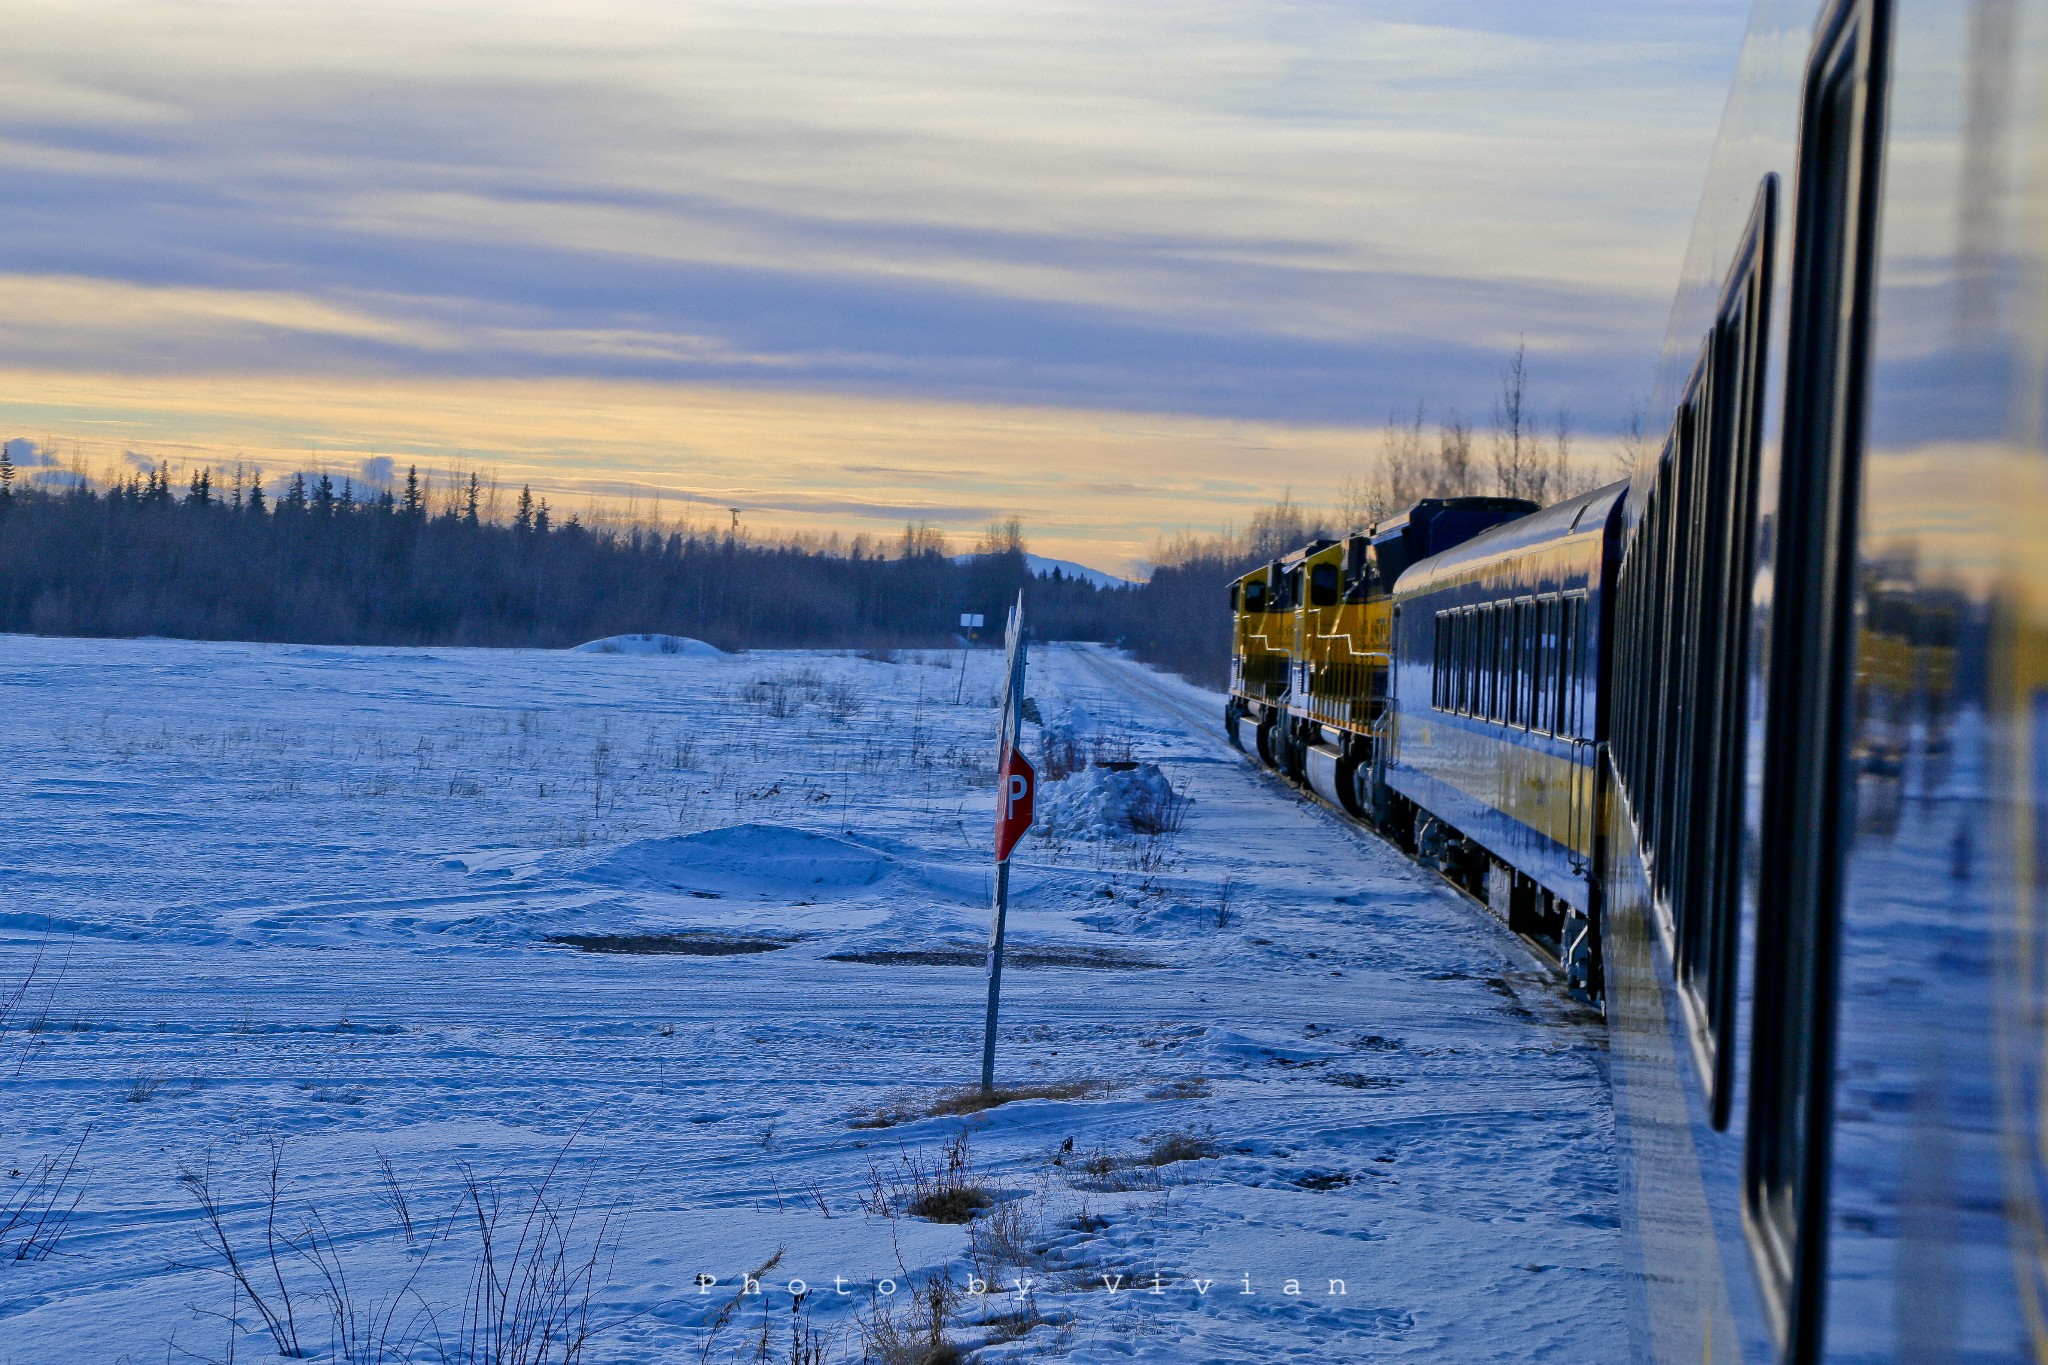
[[1805, 824], [1321, 593]]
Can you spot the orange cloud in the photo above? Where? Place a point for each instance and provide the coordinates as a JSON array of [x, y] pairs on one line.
[[1097, 486]]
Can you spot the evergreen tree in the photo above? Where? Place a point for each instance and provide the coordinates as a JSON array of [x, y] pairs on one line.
[[130, 559], [415, 504]]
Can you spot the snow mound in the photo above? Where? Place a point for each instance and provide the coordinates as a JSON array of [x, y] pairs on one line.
[[680, 646], [741, 860], [1065, 737], [1179, 919], [1110, 802]]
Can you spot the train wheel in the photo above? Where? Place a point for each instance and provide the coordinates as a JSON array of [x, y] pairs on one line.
[[1272, 736], [1354, 778]]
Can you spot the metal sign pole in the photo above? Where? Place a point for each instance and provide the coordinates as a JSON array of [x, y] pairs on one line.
[[1014, 792]]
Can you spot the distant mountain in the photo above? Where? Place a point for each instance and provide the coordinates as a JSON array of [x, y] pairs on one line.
[[1042, 567]]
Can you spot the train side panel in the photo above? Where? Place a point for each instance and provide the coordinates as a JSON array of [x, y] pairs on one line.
[[1824, 1160], [1495, 697]]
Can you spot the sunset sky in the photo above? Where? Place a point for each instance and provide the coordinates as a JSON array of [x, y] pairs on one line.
[[1119, 268]]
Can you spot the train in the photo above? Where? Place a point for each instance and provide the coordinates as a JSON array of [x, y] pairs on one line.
[[1751, 745]]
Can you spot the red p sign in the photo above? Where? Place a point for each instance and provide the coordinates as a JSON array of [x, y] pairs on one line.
[[1016, 784]]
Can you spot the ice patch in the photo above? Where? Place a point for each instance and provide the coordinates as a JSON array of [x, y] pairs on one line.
[[743, 860], [678, 646], [1109, 802]]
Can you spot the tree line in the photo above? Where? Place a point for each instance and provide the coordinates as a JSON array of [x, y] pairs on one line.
[[317, 564], [1184, 625], [224, 558]]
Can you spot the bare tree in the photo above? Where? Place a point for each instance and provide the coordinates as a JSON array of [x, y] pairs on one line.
[[1283, 526], [1633, 442], [1004, 536], [1568, 480], [920, 538], [1517, 470], [1360, 502], [1453, 474], [1407, 463]]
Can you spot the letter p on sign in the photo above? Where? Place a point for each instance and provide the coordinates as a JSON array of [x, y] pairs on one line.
[[1016, 784]]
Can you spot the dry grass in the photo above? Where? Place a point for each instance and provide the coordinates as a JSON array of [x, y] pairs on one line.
[[942, 1189], [36, 1204], [918, 1336], [1182, 1088], [967, 1100], [1188, 1144], [1106, 1169], [535, 1264]]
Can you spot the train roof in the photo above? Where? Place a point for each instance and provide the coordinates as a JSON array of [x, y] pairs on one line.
[[1313, 548], [1573, 515], [1425, 508]]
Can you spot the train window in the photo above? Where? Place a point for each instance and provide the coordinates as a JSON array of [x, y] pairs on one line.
[[1665, 647], [1805, 820], [1548, 685], [1512, 666], [1526, 616], [1466, 630], [1503, 661], [1447, 662], [1255, 595], [1510, 661], [1438, 655], [1482, 662], [1683, 611], [1233, 597], [1649, 625], [1571, 719], [1516, 664], [1561, 716], [1443, 662], [1322, 586], [1567, 669]]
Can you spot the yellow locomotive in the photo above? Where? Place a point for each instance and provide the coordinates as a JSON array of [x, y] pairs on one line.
[[1309, 645]]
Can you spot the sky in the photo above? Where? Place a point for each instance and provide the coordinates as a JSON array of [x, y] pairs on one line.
[[1120, 268]]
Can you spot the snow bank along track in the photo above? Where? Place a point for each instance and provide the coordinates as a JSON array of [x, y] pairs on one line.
[[1135, 682]]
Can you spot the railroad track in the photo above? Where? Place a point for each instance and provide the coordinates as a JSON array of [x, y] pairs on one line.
[[1135, 681], [1132, 678]]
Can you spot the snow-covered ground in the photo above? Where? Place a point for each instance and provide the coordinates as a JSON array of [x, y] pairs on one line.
[[294, 906]]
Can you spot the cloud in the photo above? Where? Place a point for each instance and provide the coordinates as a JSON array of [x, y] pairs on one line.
[[1002, 221], [1093, 484], [1251, 209], [26, 454]]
